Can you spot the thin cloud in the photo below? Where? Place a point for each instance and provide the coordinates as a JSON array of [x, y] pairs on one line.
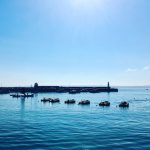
[[146, 68], [131, 70]]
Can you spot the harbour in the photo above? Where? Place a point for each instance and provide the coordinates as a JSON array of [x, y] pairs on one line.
[[58, 89], [75, 75]]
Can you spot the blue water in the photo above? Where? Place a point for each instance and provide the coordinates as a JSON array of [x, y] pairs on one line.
[[31, 124]]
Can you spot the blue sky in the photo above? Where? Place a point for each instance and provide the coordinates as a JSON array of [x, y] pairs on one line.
[[74, 42]]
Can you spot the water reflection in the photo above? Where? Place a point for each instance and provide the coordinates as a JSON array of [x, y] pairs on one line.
[[22, 107]]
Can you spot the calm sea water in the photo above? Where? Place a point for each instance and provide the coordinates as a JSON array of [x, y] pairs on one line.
[[31, 124]]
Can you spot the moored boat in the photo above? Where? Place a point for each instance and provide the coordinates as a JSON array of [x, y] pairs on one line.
[[71, 101], [124, 104], [56, 100], [27, 95], [105, 103], [84, 102], [22, 95], [45, 100]]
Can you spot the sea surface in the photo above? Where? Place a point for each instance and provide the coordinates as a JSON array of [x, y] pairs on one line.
[[31, 124]]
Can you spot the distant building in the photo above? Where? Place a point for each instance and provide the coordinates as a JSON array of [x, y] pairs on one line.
[[36, 85]]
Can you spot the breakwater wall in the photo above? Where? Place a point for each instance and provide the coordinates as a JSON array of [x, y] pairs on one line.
[[57, 89]]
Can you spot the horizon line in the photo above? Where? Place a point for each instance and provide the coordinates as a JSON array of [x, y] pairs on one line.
[[80, 85]]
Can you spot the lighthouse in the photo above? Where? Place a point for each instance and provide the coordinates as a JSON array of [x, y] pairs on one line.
[[108, 85]]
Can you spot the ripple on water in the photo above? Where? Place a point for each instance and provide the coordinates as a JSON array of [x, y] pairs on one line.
[[33, 125]]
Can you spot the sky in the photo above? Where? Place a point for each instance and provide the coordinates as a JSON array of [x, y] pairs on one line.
[[74, 42]]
